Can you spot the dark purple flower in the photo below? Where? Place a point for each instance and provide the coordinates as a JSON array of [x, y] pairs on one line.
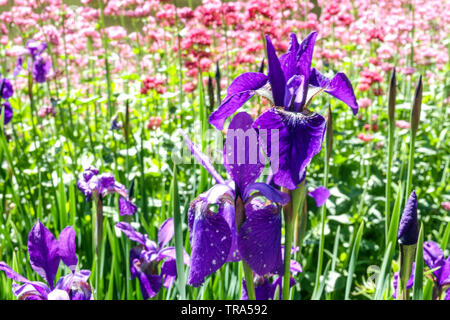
[[39, 67], [8, 112], [6, 88], [290, 85], [265, 289], [101, 185], [320, 195], [45, 254], [147, 256], [434, 259], [244, 225], [408, 230], [409, 285]]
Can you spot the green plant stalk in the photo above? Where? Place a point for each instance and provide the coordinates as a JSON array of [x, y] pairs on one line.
[[407, 254], [248, 275], [418, 274], [412, 143], [353, 260], [98, 241], [290, 213], [179, 246]]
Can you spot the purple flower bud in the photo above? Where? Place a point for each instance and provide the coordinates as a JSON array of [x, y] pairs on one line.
[[6, 89], [408, 230]]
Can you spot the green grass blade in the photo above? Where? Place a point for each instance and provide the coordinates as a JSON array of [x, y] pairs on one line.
[[353, 260], [418, 275]]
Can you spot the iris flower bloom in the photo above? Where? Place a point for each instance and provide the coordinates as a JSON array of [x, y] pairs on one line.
[[290, 85], [146, 257], [40, 68], [320, 195], [244, 225], [265, 289], [434, 259], [45, 254], [102, 185]]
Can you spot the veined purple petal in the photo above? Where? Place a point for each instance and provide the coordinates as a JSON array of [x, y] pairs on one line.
[[276, 75], [58, 294], [305, 53], [76, 285], [241, 152], [259, 240], [300, 138], [8, 112], [339, 87], [408, 230], [150, 284], [44, 252], [288, 61], [320, 195], [89, 172], [239, 91], [227, 211], [67, 247], [169, 252], [106, 183], [444, 277], [267, 191], [165, 232], [85, 188], [210, 243], [126, 207], [202, 158], [32, 290], [295, 95], [132, 234], [10, 273], [169, 272]]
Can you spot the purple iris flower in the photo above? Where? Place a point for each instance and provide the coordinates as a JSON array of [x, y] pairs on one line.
[[320, 195], [101, 185], [6, 92], [247, 222], [290, 85], [264, 288], [409, 285], [147, 256], [408, 230], [434, 259], [40, 68], [45, 254]]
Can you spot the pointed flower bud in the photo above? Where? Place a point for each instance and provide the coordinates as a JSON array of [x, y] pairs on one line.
[[417, 105], [392, 95], [408, 230]]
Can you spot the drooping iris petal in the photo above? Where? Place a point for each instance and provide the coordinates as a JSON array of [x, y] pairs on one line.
[[31, 291], [339, 87], [132, 234], [267, 191], [432, 253], [241, 151], [150, 284], [210, 243], [300, 138], [66, 246], [7, 88], [276, 75], [320, 195], [444, 277], [408, 229], [259, 240], [239, 91], [10, 273], [165, 232], [126, 207], [44, 252], [169, 272]]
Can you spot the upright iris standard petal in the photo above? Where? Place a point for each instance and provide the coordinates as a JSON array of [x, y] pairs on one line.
[[44, 252], [288, 61], [276, 75], [66, 248], [408, 230], [305, 53], [169, 272], [165, 232], [259, 240], [320, 195], [300, 139], [339, 87], [210, 243], [241, 152], [239, 91]]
